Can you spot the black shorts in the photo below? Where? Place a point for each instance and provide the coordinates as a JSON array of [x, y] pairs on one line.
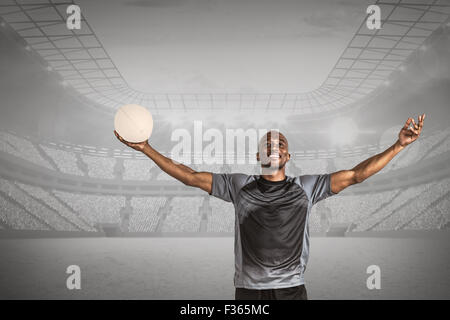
[[292, 293]]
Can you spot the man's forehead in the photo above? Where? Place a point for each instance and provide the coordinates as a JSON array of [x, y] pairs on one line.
[[274, 136]]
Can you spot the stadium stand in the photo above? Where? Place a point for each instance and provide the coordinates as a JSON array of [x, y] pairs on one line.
[[184, 215], [356, 208], [401, 199], [22, 148], [93, 208], [138, 170], [441, 147], [18, 218], [400, 216], [315, 166], [55, 204], [99, 167], [145, 216], [343, 163], [35, 206], [66, 161], [436, 216], [314, 220], [221, 218]]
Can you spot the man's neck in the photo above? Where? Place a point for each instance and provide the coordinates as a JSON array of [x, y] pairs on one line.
[[273, 175]]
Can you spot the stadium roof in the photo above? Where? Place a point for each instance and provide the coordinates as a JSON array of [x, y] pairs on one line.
[[83, 63]]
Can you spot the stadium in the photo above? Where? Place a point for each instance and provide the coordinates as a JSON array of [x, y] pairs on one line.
[[71, 194]]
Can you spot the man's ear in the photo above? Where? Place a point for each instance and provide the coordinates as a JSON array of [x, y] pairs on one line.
[[257, 156]]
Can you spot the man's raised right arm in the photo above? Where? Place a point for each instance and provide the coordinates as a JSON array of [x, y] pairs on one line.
[[186, 175]]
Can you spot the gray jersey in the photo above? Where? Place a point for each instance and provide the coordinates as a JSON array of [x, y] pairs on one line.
[[271, 243]]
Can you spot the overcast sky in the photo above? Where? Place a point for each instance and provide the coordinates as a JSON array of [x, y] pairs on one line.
[[208, 46]]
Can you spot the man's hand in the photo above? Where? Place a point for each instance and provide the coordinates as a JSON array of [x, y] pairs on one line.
[[410, 134], [136, 146], [344, 178], [182, 173]]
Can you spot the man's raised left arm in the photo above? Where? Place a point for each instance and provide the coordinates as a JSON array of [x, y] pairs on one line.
[[345, 178]]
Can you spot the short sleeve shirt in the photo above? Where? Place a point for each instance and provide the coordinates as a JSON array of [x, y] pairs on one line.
[[271, 226]]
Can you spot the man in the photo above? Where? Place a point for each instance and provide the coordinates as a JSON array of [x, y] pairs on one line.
[[272, 210]]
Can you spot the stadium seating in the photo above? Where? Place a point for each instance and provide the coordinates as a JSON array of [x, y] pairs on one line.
[[93, 208], [184, 215], [22, 148], [99, 167], [314, 220], [65, 160], [401, 199], [43, 209], [35, 206], [145, 216], [17, 218], [356, 208], [434, 217], [221, 218], [315, 166], [415, 206], [138, 170], [55, 204]]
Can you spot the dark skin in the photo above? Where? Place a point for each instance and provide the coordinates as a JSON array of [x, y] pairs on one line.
[[273, 169]]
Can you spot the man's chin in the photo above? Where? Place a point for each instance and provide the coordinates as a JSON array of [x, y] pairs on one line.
[[274, 165]]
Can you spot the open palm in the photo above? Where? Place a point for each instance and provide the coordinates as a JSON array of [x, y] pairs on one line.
[[409, 133], [136, 146]]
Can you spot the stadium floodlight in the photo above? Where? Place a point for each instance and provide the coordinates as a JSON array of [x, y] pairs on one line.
[[402, 68], [28, 48], [49, 68], [343, 131]]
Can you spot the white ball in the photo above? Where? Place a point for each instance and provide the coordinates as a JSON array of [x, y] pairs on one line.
[[133, 123]]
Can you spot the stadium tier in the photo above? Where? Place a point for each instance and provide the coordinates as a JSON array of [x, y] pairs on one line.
[[50, 200], [137, 169], [435, 216], [66, 161], [102, 164], [94, 208], [45, 209], [315, 166], [405, 207], [99, 167], [144, 217], [35, 206], [222, 216], [26, 207], [415, 207], [22, 148], [14, 216], [184, 215]]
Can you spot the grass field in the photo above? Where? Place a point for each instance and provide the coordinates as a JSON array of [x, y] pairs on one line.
[[203, 268]]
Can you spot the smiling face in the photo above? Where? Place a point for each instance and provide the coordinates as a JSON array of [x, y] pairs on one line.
[[273, 150]]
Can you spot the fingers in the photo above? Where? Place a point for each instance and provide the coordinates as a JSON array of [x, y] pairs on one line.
[[119, 137], [414, 127], [421, 118], [406, 126]]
